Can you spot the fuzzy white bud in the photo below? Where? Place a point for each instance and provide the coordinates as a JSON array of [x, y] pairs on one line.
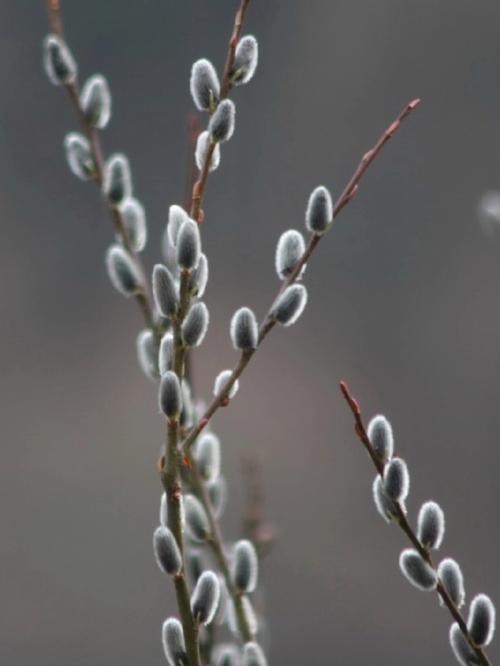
[[253, 655], [319, 212], [134, 221], [170, 396], [221, 380], [60, 66], [396, 479], [188, 245], [199, 277], [173, 642], [244, 330], [290, 304], [117, 179], [462, 650], [381, 438], [481, 620], [197, 524], [122, 271], [202, 144], [95, 100], [245, 566], [166, 550], [245, 60], [195, 325], [205, 597], [204, 85], [164, 291], [146, 353], [430, 525], [221, 125], [451, 578], [79, 156], [416, 570], [290, 248], [208, 456], [166, 353]]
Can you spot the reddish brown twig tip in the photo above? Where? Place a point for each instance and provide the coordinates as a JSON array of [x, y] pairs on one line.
[[351, 401]]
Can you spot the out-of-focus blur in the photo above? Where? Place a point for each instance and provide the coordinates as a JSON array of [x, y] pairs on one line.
[[404, 303]]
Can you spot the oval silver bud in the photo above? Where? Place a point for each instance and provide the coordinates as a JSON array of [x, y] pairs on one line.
[[430, 525], [166, 353], [245, 60], [253, 655], [208, 456], [195, 325], [220, 382], [451, 578], [396, 479], [417, 571], [165, 293], [79, 156], [134, 220], [290, 304], [122, 271], [58, 61], [117, 179], [95, 101], [245, 566], [244, 330], [217, 493], [197, 525], [481, 620], [462, 650], [226, 655], [319, 212], [205, 597], [188, 245], [290, 248], [170, 397], [379, 433], [176, 217], [204, 85], [173, 642], [166, 550], [147, 354], [199, 277], [200, 154], [221, 125]]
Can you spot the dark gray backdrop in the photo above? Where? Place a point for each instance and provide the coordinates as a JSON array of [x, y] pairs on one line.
[[404, 303]]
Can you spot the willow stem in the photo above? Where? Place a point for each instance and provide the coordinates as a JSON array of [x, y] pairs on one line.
[[405, 526]]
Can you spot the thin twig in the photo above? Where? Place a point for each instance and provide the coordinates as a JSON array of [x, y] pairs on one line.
[[403, 523], [221, 399], [142, 297]]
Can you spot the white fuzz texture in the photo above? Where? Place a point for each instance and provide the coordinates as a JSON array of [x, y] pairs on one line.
[[246, 60], [381, 438], [245, 566], [384, 505], [166, 550], [134, 221], [244, 330], [221, 125], [122, 271], [146, 353], [95, 100], [226, 654], [204, 85], [205, 597], [463, 652], [319, 212], [396, 479], [290, 305], [289, 250], [176, 216], [481, 620], [165, 293], [117, 179], [199, 277], [170, 396], [197, 525], [217, 493], [208, 456], [188, 245], [417, 571], [222, 379], [253, 655], [79, 156], [451, 578], [195, 325], [166, 353], [173, 642], [202, 144], [430, 525], [58, 61]]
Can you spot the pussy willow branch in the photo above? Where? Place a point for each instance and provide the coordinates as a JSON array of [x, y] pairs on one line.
[[403, 523], [142, 297], [268, 324], [180, 351], [201, 184]]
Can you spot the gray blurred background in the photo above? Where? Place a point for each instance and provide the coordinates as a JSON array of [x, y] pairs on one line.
[[404, 304]]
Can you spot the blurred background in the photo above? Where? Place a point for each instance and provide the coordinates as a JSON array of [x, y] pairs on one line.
[[404, 304]]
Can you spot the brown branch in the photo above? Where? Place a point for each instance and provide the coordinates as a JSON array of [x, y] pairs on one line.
[[142, 297], [221, 399], [405, 526]]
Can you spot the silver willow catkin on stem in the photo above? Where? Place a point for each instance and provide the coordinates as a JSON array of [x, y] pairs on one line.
[[122, 271], [381, 438], [117, 179], [289, 250], [208, 456], [430, 525], [79, 156], [173, 642], [166, 550], [416, 570], [290, 304], [195, 325], [245, 60], [319, 212], [221, 125], [481, 620], [188, 245], [170, 397], [205, 597], [245, 566], [134, 220], [197, 525], [204, 85], [244, 329], [221, 380], [60, 66], [202, 144], [451, 578], [396, 479], [165, 293], [95, 100]]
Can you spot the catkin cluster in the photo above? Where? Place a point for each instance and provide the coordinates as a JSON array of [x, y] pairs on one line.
[[390, 492]]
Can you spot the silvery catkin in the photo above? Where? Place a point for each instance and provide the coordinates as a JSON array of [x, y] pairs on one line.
[[396, 479], [253, 655], [122, 271], [134, 221], [60, 66], [379, 433], [221, 125], [244, 329], [166, 550], [290, 248], [147, 354], [79, 156], [204, 85], [245, 60], [205, 597], [451, 578], [188, 245], [416, 570], [208, 456], [170, 396], [117, 179], [430, 525], [481, 620], [220, 382], [195, 325], [245, 566], [319, 213], [197, 525], [290, 305], [173, 642], [95, 101], [164, 291]]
